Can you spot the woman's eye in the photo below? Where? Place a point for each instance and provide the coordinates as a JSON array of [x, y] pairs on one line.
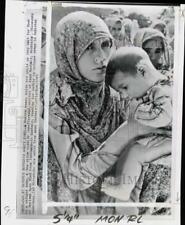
[[158, 50], [106, 44]]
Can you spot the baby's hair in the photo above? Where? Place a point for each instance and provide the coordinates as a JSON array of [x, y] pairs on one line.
[[125, 59]]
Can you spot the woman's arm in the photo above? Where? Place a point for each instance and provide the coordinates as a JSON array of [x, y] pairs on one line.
[[80, 172]]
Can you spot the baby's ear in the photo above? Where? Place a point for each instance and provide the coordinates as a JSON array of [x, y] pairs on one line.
[[141, 67]]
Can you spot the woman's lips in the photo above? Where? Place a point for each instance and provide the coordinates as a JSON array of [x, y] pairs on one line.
[[101, 69]]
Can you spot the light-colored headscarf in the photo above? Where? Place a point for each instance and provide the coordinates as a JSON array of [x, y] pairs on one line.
[[111, 22], [74, 34], [146, 34]]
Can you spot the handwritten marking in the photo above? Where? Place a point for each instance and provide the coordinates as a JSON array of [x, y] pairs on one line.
[[65, 216], [118, 218], [134, 218], [8, 211], [110, 219]]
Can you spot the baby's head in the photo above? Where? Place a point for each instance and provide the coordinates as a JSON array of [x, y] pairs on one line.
[[129, 71]]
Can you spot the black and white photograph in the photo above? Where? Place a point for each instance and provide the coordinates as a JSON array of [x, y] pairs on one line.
[[110, 108]]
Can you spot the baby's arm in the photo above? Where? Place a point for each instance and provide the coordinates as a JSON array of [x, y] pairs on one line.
[[157, 112]]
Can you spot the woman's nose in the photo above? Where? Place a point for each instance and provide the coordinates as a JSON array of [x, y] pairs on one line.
[[152, 56], [100, 56]]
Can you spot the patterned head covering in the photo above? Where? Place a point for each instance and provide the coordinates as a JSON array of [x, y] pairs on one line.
[[74, 33], [146, 34], [88, 105]]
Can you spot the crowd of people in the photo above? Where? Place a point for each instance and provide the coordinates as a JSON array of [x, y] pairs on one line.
[[110, 114], [157, 39]]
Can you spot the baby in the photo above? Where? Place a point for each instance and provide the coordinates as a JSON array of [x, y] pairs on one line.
[[131, 72]]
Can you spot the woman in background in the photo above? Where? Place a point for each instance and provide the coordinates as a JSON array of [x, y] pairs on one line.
[[115, 25], [156, 46]]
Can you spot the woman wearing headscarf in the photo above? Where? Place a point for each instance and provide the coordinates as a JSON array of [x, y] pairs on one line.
[[83, 113], [156, 46], [163, 28], [115, 25]]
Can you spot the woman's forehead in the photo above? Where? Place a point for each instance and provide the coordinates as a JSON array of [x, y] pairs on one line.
[[117, 24], [100, 40], [156, 42]]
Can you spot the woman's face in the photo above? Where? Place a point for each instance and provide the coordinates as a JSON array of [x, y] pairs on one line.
[[154, 49], [116, 29], [93, 62]]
